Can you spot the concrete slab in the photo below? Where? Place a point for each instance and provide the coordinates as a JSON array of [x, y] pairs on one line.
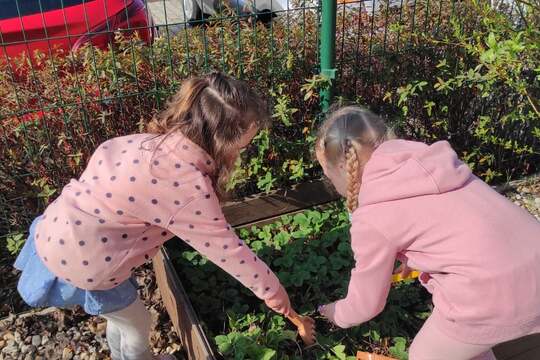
[[166, 12]]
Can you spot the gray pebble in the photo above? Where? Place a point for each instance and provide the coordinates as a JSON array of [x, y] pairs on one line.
[[537, 201], [36, 340], [67, 354], [12, 350], [44, 340], [28, 349]]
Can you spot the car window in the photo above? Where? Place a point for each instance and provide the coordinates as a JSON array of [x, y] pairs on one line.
[[15, 8]]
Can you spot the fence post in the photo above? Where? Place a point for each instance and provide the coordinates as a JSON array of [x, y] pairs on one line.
[[328, 49]]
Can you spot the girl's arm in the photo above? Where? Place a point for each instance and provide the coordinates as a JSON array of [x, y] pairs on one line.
[[370, 279], [202, 225]]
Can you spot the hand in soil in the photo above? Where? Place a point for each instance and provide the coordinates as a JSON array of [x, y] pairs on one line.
[[328, 312], [404, 270]]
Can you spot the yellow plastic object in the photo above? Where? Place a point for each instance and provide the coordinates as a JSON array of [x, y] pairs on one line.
[[412, 275]]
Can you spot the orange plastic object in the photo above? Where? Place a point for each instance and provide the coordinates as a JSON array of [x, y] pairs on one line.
[[361, 355], [305, 325]]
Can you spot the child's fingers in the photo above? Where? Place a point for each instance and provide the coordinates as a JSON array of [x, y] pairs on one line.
[[289, 310], [327, 311], [403, 269], [285, 309], [399, 269], [406, 272]]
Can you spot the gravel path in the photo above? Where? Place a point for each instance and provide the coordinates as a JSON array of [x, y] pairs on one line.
[[525, 193], [52, 334]]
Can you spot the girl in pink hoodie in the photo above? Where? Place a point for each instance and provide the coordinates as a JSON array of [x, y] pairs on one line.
[[137, 192], [479, 254]]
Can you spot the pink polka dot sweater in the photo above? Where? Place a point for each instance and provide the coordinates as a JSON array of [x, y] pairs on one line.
[[128, 202]]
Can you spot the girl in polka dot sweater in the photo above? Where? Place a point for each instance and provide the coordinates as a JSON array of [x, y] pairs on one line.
[[137, 192]]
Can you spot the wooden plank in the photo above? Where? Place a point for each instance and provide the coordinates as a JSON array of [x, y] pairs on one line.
[[524, 348], [261, 207], [180, 310], [532, 354]]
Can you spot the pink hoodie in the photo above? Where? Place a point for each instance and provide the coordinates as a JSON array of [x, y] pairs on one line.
[[481, 252], [128, 202]]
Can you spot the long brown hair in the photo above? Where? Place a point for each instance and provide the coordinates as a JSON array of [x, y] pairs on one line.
[[344, 135], [213, 111]]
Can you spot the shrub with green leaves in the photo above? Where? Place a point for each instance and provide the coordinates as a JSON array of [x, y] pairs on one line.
[[482, 92]]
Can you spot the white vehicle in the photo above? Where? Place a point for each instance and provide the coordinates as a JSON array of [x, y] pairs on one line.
[[199, 9]]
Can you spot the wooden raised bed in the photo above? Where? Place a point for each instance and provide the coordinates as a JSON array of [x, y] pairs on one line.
[[253, 210], [181, 312], [258, 210]]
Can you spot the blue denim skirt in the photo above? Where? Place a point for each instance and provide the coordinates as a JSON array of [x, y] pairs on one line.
[[40, 288]]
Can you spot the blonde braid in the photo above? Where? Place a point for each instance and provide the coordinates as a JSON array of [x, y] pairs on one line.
[[353, 183]]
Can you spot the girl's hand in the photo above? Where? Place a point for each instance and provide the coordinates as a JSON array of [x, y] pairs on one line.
[[403, 269], [279, 302], [328, 311]]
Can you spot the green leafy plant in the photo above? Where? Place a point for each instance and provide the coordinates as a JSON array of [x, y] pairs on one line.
[[15, 243], [399, 349], [485, 98]]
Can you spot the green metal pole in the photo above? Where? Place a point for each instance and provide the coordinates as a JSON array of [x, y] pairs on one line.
[[328, 49]]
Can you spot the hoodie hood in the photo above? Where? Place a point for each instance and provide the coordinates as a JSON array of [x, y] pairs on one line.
[[400, 169]]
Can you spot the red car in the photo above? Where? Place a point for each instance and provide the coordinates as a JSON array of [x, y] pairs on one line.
[[48, 25]]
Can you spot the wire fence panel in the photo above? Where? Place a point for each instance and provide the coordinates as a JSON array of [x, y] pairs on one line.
[[74, 73]]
